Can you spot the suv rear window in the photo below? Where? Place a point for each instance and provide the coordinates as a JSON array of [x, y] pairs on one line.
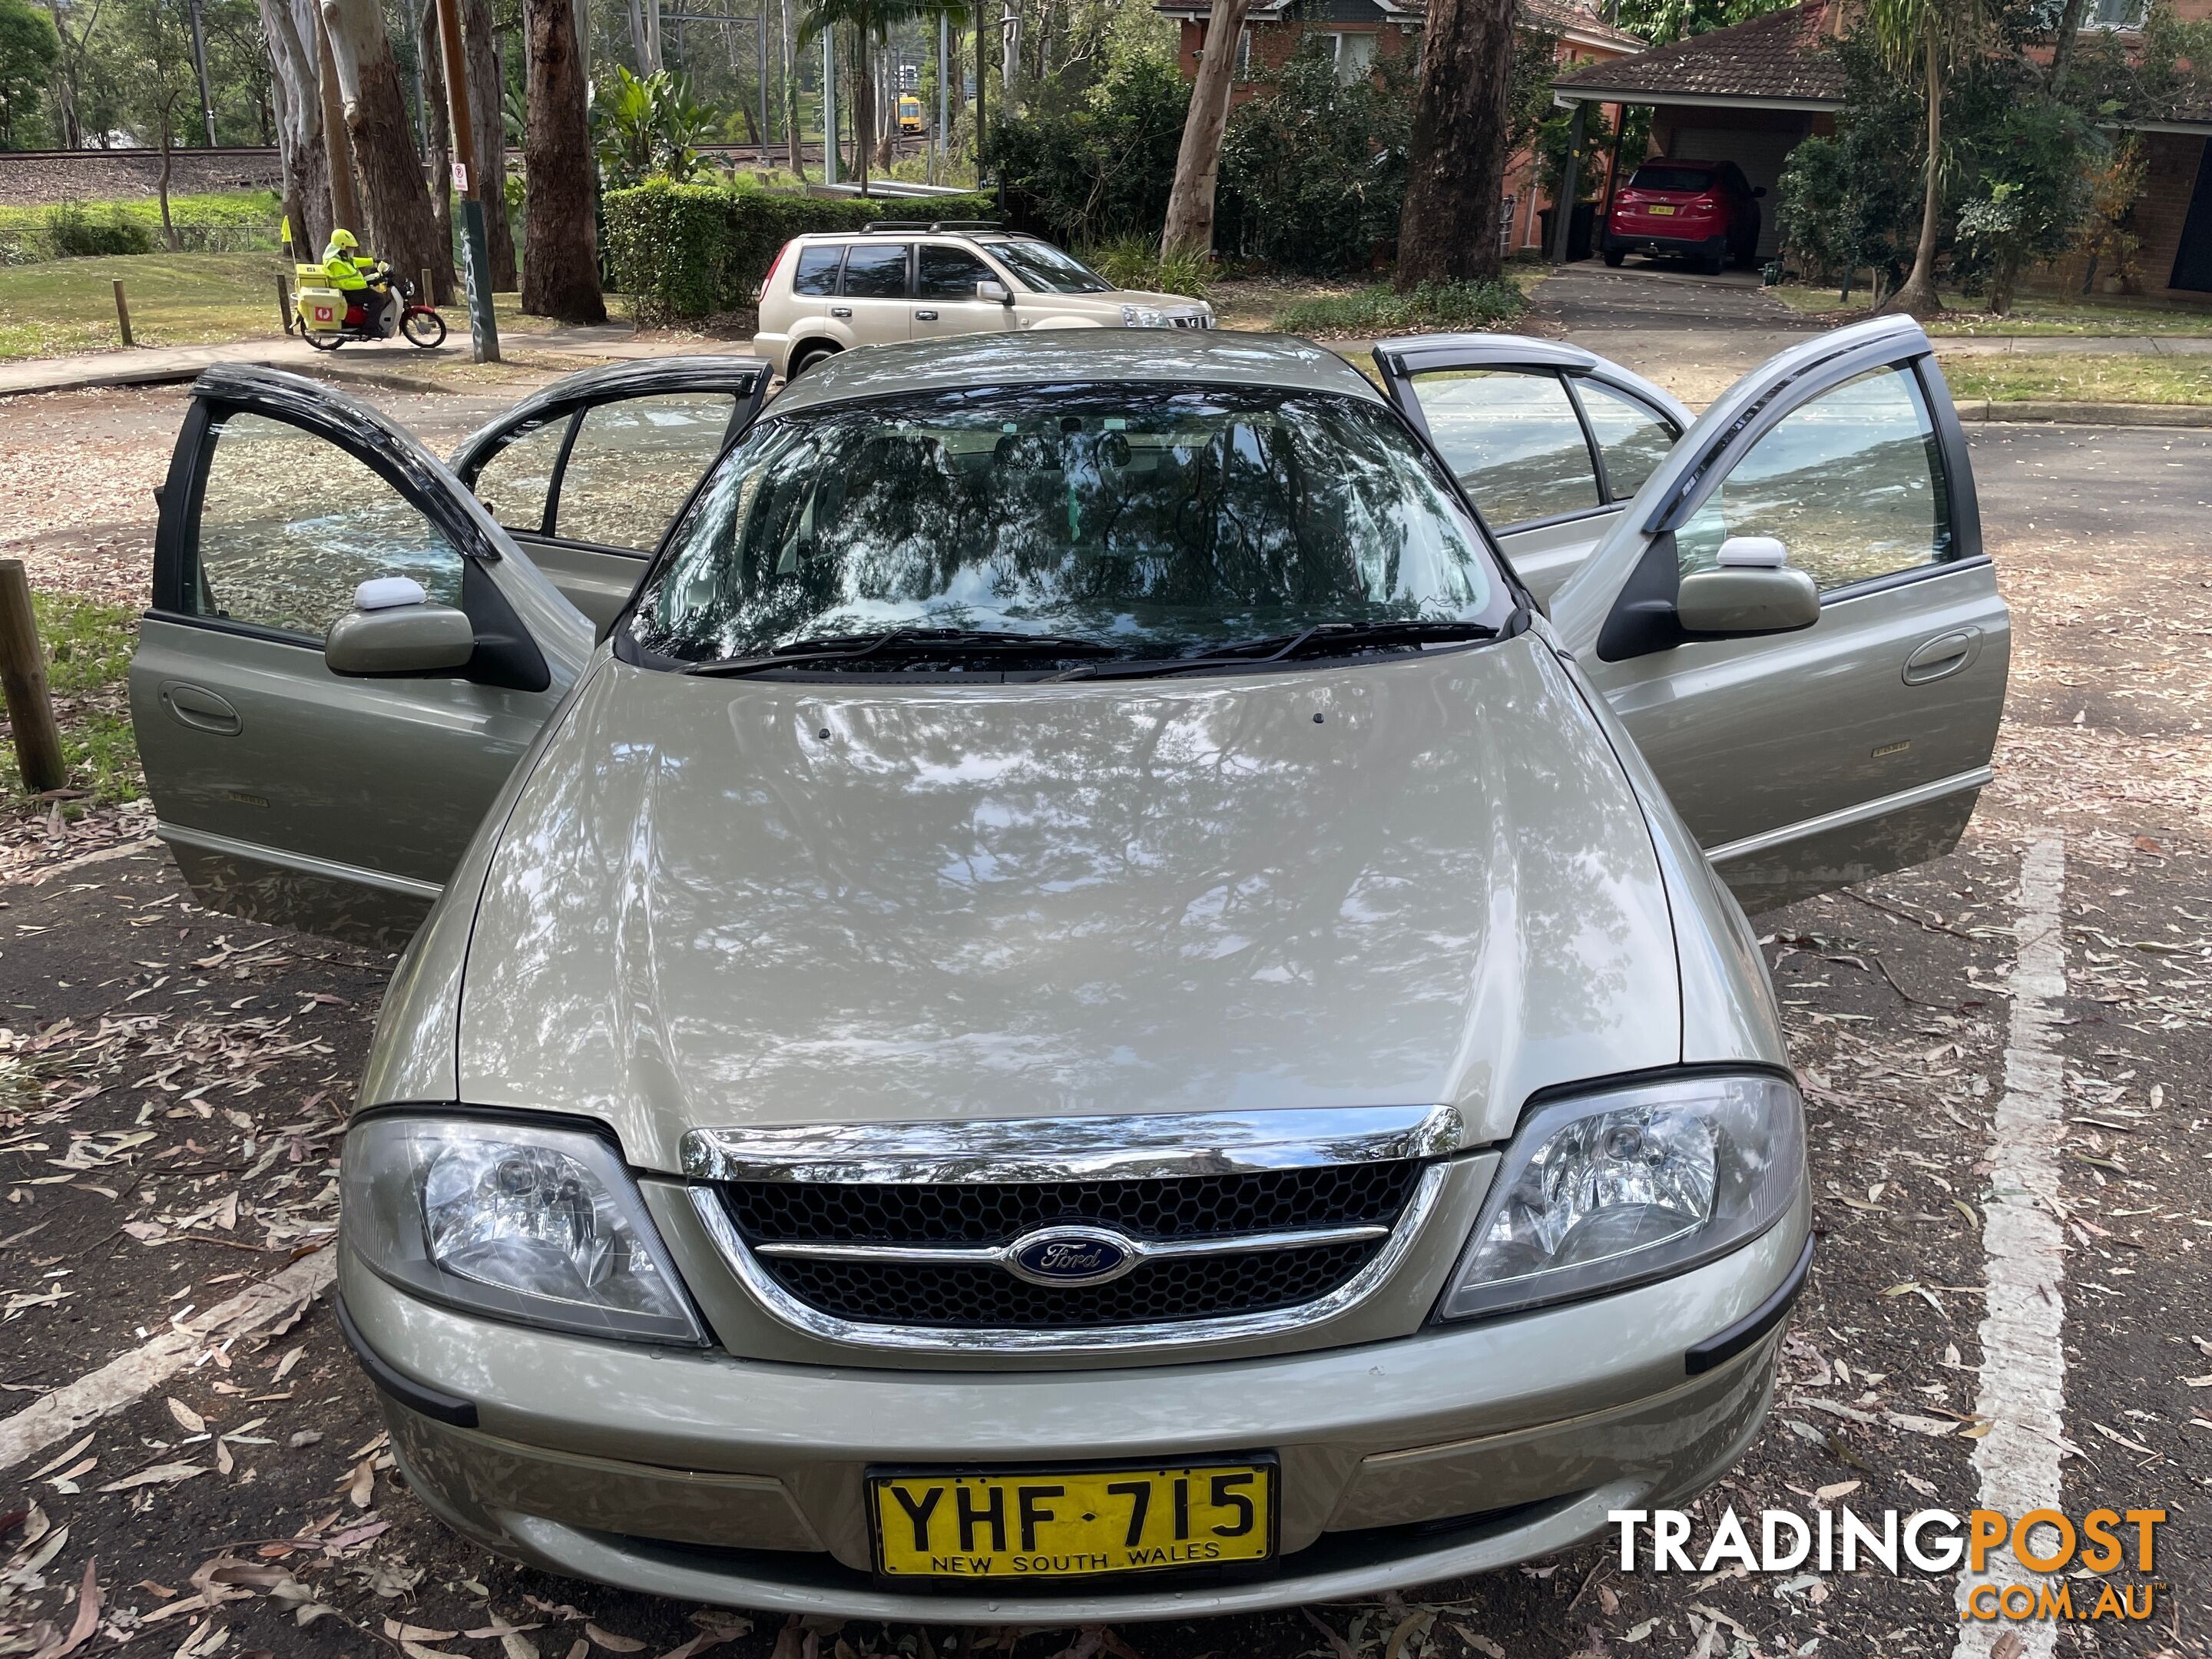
[[1672, 179], [818, 269]]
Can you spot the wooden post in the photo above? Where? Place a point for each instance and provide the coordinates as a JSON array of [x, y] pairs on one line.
[[423, 293], [122, 313], [284, 301], [23, 678]]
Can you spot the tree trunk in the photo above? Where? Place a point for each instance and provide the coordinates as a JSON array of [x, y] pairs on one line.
[[1448, 229], [1916, 296], [561, 277], [168, 226], [69, 69], [795, 148], [487, 114], [2069, 30], [864, 110], [299, 104], [338, 151], [397, 205], [437, 124], [1198, 162]]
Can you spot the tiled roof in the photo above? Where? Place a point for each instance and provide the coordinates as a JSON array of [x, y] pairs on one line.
[[1563, 17], [1553, 16], [1777, 57]]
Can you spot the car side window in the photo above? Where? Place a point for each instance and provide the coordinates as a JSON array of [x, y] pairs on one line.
[[1853, 484], [513, 484], [950, 273], [1512, 438], [1632, 437], [290, 525], [875, 270], [635, 461], [818, 269]]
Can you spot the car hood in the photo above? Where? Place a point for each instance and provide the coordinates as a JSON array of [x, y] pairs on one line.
[[721, 902]]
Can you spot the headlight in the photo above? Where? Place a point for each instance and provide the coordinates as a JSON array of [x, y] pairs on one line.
[[1143, 317], [542, 1225], [1611, 1189]]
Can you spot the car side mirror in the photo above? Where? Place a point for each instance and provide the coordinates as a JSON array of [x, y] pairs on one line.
[[1752, 590], [394, 631], [990, 290]]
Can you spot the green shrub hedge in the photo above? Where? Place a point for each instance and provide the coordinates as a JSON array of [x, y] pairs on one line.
[[683, 251]]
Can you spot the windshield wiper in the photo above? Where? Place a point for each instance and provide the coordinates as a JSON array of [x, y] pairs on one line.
[[1323, 640], [905, 641]]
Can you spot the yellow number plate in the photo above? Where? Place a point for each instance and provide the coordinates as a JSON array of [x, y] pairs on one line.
[[1661, 208], [1041, 1525]]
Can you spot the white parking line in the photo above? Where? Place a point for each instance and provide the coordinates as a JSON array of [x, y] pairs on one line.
[[268, 1306], [2023, 1374]]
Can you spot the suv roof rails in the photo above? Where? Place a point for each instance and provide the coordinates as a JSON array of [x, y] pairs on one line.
[[874, 225]]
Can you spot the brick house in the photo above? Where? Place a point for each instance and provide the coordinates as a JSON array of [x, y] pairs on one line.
[[1750, 92], [1359, 32]]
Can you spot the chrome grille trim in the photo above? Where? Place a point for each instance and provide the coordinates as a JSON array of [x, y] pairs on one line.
[[1139, 1249], [740, 1258], [1131, 1148]]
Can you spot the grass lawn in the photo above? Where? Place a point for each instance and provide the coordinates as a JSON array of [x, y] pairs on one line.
[[64, 306], [2119, 377], [89, 647], [67, 305], [2030, 315]]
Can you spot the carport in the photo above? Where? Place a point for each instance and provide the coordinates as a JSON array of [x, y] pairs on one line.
[[1746, 94], [1750, 92]]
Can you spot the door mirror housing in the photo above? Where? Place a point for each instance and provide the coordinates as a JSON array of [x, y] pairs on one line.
[[1753, 590], [991, 290], [394, 631]]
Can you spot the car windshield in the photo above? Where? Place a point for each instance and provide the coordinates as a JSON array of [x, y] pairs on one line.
[[1129, 523], [1671, 178], [1046, 270]]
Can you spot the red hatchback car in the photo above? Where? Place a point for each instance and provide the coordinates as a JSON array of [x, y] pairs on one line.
[[1706, 210]]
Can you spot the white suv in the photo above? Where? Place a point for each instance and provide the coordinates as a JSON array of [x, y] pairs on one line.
[[909, 281]]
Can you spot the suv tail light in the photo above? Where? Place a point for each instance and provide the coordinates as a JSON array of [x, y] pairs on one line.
[[773, 266]]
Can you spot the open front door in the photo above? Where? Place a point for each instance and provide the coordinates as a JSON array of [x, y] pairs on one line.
[[288, 791], [1809, 759], [588, 474], [1549, 440]]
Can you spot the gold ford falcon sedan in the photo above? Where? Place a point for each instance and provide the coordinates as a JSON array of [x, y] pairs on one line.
[[1073, 1001]]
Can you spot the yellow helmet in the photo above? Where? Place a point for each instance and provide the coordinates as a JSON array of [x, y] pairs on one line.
[[343, 239]]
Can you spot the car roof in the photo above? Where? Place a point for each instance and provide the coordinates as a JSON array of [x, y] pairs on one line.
[[963, 227], [1075, 356]]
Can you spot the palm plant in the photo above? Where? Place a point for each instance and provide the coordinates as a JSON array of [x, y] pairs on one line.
[[866, 23], [1925, 37], [648, 127]]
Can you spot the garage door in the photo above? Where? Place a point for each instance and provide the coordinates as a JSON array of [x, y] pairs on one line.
[[1760, 155]]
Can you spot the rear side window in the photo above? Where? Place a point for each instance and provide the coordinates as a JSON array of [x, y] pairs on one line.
[[1513, 440], [876, 271], [818, 269], [1663, 177]]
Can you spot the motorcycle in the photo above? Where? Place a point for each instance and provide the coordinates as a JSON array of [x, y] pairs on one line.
[[327, 322]]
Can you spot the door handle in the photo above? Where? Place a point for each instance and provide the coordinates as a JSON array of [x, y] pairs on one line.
[[925, 316], [200, 709], [841, 311], [1943, 656]]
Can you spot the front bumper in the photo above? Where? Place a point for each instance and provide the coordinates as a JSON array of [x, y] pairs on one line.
[[1455, 1451]]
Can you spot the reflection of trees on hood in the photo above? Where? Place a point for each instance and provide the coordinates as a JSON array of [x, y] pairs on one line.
[[1163, 517], [1023, 900]]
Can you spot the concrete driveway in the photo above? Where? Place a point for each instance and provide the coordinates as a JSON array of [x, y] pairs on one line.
[[1693, 335]]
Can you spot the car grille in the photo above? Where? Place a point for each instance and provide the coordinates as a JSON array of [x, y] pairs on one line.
[[1209, 1215], [1191, 320]]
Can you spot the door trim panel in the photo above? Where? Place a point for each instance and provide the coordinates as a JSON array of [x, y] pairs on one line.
[[1903, 800], [303, 864]]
